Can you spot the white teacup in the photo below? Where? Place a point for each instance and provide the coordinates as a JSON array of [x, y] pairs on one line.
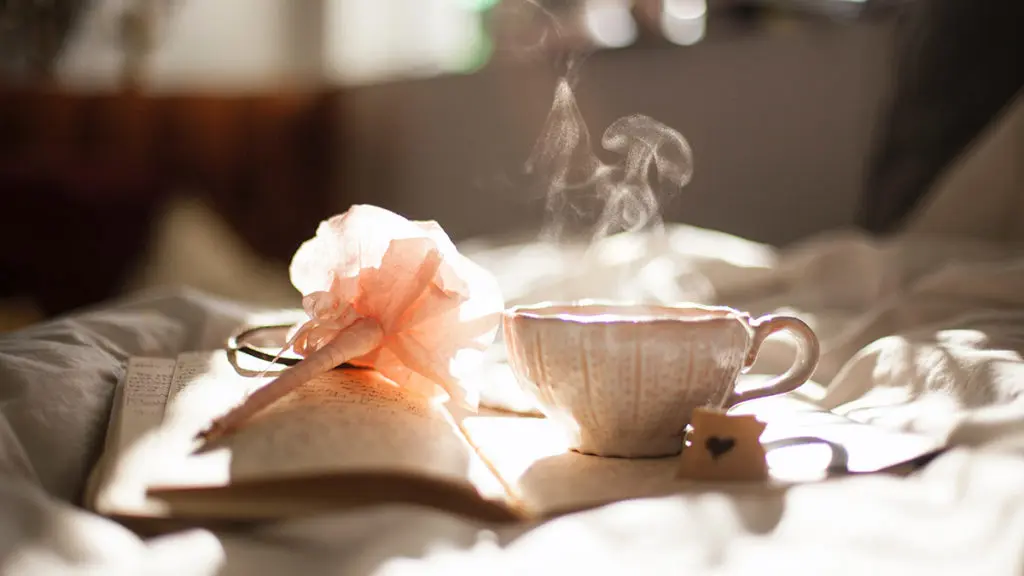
[[623, 380]]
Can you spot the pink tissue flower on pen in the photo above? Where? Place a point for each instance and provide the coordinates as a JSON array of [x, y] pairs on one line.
[[438, 310], [390, 294]]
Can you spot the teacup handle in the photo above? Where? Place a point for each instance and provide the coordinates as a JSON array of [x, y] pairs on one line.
[[808, 350]]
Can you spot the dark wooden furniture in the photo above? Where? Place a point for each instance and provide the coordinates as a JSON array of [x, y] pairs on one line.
[[82, 178]]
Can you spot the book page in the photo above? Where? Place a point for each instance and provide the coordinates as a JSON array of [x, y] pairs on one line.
[[146, 385], [803, 443], [345, 421], [533, 459], [136, 415]]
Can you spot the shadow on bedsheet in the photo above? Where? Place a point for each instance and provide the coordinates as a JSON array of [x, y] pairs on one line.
[[57, 377], [564, 481]]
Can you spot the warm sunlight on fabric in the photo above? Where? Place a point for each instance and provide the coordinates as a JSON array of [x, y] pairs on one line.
[[802, 463], [710, 245]]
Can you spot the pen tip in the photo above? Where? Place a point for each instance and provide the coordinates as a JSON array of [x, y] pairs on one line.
[[204, 439], [214, 431]]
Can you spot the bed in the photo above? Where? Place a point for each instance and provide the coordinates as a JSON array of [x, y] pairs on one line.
[[918, 334]]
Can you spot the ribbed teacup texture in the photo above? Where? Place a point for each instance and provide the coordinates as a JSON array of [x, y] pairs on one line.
[[624, 381]]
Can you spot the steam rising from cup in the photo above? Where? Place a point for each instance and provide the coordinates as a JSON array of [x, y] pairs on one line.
[[607, 197]]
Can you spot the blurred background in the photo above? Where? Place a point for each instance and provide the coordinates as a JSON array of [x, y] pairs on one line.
[[154, 142]]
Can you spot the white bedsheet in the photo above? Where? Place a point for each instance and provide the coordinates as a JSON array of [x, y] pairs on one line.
[[923, 335]]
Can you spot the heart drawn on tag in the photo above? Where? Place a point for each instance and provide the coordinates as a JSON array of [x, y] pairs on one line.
[[718, 446]]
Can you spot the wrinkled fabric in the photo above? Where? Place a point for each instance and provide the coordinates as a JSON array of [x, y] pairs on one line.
[[916, 334], [439, 310]]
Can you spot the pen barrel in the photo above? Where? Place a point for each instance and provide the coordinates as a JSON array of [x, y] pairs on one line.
[[359, 339]]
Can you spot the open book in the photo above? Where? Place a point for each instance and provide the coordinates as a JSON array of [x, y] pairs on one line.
[[353, 438]]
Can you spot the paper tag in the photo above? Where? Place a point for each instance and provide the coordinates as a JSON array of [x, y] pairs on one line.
[[724, 448]]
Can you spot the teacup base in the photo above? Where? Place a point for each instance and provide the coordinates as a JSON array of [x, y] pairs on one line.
[[622, 446]]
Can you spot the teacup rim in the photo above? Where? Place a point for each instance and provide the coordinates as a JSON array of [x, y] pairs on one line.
[[536, 311]]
